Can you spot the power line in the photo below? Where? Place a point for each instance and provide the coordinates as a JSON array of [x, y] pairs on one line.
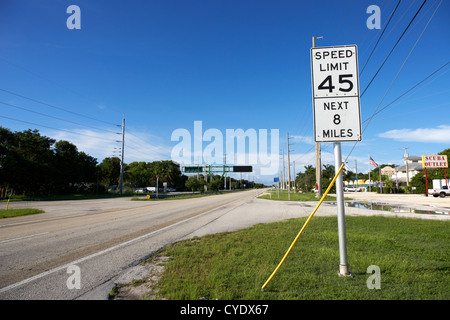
[[384, 29], [373, 78], [395, 78], [44, 126], [409, 90], [55, 107], [50, 116]]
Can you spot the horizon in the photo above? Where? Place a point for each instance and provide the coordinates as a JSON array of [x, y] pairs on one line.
[[232, 65]]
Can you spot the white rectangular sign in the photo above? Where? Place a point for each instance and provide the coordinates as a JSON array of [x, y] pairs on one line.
[[335, 83]]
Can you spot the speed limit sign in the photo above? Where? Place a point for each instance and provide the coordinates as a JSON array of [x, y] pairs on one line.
[[335, 86]]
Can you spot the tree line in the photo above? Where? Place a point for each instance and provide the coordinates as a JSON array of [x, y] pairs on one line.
[[36, 165], [32, 164]]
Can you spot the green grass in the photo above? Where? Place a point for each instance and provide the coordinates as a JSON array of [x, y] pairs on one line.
[[285, 196], [18, 212], [64, 197], [412, 254]]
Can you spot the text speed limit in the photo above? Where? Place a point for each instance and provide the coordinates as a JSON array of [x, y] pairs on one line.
[[336, 94], [335, 72]]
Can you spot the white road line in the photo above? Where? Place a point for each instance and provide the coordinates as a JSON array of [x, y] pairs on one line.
[[25, 237], [17, 284]]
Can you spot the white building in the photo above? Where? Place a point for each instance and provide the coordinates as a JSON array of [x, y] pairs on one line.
[[414, 165]]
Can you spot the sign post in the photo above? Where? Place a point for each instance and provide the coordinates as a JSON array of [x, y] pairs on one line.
[[337, 116], [277, 181]]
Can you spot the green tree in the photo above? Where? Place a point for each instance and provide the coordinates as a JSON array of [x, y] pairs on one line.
[[194, 184], [33, 164], [28, 162], [138, 174], [216, 184], [167, 171], [74, 171], [306, 180], [109, 171]]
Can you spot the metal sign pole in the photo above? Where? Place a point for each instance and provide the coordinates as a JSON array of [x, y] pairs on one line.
[[337, 115], [343, 264]]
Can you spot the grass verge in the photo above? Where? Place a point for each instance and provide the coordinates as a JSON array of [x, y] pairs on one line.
[[412, 254], [284, 195], [18, 212], [65, 197]]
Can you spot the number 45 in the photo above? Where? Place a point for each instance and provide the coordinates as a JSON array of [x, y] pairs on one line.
[[327, 83]]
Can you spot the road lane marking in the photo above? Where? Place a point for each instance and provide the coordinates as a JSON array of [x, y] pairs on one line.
[[40, 275], [25, 237]]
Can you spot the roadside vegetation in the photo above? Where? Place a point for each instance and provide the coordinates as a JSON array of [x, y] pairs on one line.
[[284, 195], [412, 255], [36, 167], [18, 212], [306, 180]]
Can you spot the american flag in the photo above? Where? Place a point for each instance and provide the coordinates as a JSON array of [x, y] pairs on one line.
[[372, 162]]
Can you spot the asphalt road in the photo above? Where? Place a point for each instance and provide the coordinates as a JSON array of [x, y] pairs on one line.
[[107, 238], [101, 237]]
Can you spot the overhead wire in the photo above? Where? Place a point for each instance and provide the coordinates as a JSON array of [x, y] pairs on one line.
[[53, 117], [381, 35], [393, 48], [48, 127], [55, 107], [396, 76], [410, 89]]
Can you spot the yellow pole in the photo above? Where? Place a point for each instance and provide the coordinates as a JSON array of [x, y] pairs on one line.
[[303, 228], [7, 203]]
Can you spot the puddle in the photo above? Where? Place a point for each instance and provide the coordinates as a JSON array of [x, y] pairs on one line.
[[391, 207]]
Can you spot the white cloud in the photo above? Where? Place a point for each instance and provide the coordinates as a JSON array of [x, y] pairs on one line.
[[102, 145], [440, 134], [303, 139]]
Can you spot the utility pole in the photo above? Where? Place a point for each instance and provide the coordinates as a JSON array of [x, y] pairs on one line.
[[289, 163], [122, 156], [356, 169], [224, 174], [406, 164], [317, 145], [294, 177], [284, 171]]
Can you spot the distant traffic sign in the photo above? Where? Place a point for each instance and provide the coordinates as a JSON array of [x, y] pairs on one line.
[[335, 85], [242, 169]]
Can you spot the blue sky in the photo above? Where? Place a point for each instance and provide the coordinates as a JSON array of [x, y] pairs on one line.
[[230, 64]]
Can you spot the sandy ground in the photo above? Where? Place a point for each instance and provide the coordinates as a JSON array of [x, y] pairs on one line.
[[410, 199]]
